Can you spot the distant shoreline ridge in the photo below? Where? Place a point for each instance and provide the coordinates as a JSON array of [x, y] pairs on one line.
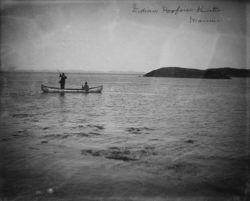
[[72, 71], [210, 73]]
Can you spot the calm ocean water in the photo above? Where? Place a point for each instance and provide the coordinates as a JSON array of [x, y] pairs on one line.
[[204, 123], [164, 108]]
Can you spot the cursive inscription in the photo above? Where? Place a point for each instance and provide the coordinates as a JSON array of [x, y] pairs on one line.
[[143, 10], [198, 20], [178, 10], [201, 9]]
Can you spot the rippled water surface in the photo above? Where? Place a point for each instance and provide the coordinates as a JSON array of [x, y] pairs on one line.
[[165, 107], [155, 117]]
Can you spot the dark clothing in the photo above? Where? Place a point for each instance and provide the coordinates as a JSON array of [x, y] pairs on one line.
[[62, 80], [86, 87]]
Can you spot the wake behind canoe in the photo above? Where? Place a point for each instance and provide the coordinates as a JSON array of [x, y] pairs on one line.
[[48, 89]]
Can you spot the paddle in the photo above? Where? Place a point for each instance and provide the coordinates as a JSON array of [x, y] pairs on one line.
[[59, 72]]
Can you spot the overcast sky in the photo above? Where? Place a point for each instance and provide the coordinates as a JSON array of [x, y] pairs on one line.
[[107, 35]]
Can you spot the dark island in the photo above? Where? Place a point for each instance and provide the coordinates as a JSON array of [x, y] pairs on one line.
[[212, 73]]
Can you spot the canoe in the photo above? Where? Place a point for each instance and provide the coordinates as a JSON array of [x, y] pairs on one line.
[[47, 89]]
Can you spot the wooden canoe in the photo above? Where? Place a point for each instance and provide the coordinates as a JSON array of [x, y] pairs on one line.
[[48, 89]]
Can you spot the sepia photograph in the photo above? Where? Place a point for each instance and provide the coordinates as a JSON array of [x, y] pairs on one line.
[[124, 100]]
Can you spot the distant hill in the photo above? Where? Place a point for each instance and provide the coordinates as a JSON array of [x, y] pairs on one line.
[[213, 73]]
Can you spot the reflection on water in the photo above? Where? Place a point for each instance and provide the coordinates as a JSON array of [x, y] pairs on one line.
[[62, 94]]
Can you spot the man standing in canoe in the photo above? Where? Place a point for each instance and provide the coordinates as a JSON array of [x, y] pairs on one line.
[[62, 80]]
